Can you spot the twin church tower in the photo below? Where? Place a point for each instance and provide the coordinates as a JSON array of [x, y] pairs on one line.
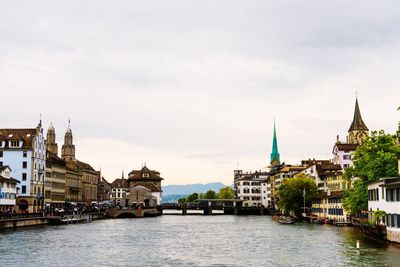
[[67, 150]]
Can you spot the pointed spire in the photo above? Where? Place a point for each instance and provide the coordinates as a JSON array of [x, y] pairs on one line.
[[275, 157], [123, 173], [358, 123]]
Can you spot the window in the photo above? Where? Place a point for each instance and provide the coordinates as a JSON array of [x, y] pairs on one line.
[[24, 164], [1, 154], [14, 144], [25, 154], [145, 175], [1, 163], [23, 189], [346, 165], [23, 176]]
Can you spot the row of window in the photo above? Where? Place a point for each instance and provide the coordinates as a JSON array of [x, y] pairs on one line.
[[393, 194], [252, 198], [8, 196], [8, 185], [335, 211], [334, 200], [24, 154], [253, 191], [317, 210], [252, 183], [393, 220], [373, 194]]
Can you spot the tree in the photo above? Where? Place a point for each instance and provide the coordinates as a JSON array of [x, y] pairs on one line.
[[209, 195], [355, 199], [378, 215], [376, 157], [182, 200], [226, 193], [192, 197], [290, 193]]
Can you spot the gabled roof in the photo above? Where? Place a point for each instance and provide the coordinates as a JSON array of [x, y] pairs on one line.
[[2, 168], [25, 135], [138, 174], [346, 146], [12, 180], [152, 187], [326, 169], [76, 165], [358, 123], [120, 183]]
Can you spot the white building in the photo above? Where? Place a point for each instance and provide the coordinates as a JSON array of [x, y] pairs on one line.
[[384, 194], [8, 189], [24, 150], [247, 189]]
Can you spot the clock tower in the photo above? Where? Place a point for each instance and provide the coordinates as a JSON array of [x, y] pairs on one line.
[[358, 130]]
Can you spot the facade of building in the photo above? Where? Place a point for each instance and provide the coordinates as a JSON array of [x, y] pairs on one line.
[[103, 190], [55, 181], [24, 150], [150, 179], [73, 184], [140, 196], [8, 189], [55, 173], [119, 190], [247, 188], [384, 195]]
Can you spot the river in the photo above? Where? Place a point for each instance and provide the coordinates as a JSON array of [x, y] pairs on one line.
[[193, 241]]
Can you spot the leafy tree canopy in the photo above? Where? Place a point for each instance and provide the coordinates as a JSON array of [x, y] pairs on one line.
[[290, 193], [226, 193], [209, 195], [355, 199], [376, 157]]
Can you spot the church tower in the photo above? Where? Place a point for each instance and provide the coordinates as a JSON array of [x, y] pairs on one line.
[[358, 130], [68, 149], [51, 144], [275, 157]]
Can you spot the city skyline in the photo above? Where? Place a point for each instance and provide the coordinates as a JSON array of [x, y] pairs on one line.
[[191, 89]]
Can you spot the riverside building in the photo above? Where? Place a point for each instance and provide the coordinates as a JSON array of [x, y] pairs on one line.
[[8, 189], [55, 173], [24, 150], [384, 194]]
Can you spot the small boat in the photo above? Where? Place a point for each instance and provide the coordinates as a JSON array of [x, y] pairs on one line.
[[286, 220]]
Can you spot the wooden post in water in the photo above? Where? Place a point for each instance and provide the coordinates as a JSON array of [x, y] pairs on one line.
[[358, 244]]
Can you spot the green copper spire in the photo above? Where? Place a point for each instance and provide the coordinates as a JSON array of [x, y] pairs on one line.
[[275, 158]]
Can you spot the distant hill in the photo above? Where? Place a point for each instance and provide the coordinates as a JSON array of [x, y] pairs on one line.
[[191, 188]]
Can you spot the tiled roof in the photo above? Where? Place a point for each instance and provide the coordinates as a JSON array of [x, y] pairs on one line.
[[346, 147], [76, 165], [138, 174], [2, 168], [152, 187], [326, 169], [25, 135], [12, 180], [53, 158], [120, 183]]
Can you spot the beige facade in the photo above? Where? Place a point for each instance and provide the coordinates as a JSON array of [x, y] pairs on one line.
[[55, 180], [73, 186]]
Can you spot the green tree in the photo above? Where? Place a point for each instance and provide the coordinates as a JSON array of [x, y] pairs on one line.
[[355, 199], [226, 193], [290, 193], [209, 195], [182, 200], [375, 158], [378, 215], [192, 197]]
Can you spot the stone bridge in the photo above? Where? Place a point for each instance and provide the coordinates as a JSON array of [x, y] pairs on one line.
[[125, 213]]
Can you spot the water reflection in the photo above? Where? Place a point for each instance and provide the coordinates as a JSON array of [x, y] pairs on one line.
[[194, 241]]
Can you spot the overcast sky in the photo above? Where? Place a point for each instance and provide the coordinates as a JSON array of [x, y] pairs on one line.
[[193, 87]]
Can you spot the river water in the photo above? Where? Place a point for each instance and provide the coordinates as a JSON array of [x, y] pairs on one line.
[[193, 241]]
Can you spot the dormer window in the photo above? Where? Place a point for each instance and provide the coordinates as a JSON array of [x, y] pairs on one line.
[[145, 175], [14, 143]]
